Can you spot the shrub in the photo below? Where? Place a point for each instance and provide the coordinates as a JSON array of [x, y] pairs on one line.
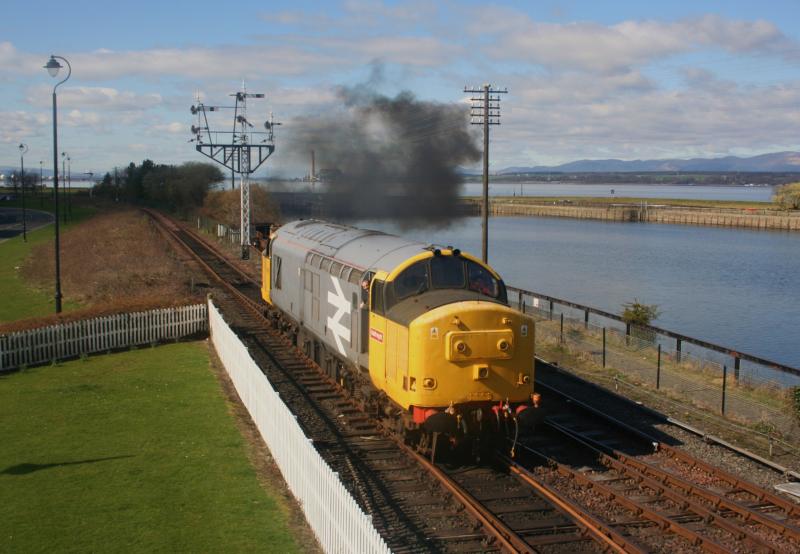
[[224, 206], [788, 196], [637, 313]]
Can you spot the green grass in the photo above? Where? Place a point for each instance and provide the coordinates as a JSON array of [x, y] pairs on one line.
[[135, 451], [19, 300]]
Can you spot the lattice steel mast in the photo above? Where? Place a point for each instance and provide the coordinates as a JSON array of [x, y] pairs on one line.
[[238, 152]]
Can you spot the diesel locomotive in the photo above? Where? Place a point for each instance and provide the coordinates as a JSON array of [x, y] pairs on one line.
[[422, 334]]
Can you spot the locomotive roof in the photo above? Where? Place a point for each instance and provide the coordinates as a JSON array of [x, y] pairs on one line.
[[361, 248]]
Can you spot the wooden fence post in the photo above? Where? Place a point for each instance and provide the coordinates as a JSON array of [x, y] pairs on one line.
[[658, 369], [724, 383], [604, 347]]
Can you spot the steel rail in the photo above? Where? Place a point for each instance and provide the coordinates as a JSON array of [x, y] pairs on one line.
[[510, 540], [660, 488], [661, 417], [786, 529], [637, 508], [718, 500], [601, 532], [763, 495]]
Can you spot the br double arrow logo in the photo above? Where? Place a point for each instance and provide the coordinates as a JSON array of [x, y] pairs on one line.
[[338, 301]]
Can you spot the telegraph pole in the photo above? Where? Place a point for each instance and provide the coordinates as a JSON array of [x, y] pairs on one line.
[[485, 110], [242, 150]]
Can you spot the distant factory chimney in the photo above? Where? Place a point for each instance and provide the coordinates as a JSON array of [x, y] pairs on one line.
[[313, 170]]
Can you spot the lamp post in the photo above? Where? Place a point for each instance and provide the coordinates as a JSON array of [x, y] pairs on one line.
[[64, 188], [69, 185], [22, 150], [41, 184], [52, 68]]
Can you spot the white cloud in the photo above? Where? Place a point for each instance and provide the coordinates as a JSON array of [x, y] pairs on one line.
[[78, 118], [19, 126], [590, 46], [174, 128], [105, 98], [202, 63], [405, 50], [596, 117]]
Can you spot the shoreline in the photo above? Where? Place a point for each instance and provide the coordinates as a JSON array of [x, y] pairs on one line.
[[644, 212]]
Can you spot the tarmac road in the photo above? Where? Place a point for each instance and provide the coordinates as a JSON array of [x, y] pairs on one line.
[[11, 221]]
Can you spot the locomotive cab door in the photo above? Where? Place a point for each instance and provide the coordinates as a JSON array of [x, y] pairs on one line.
[[377, 334], [363, 313]]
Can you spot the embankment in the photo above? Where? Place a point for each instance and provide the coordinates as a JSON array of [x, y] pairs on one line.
[[649, 213]]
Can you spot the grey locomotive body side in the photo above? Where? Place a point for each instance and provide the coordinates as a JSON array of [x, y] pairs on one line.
[[318, 271]]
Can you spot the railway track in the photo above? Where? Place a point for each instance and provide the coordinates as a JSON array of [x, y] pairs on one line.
[[704, 504], [537, 503]]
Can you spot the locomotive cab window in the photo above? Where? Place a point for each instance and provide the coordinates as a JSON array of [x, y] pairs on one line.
[[481, 281], [277, 269], [411, 281], [447, 272], [377, 297]]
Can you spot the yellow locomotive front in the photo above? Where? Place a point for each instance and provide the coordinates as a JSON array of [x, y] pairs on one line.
[[446, 348]]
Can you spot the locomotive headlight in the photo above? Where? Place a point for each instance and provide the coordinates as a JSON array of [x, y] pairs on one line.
[[429, 383], [461, 346], [503, 345]]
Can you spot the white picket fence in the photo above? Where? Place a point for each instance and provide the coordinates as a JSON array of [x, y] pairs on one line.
[[338, 522], [100, 334]]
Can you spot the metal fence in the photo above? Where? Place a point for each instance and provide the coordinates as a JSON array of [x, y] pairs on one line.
[[337, 520], [99, 334], [222, 232], [640, 357]]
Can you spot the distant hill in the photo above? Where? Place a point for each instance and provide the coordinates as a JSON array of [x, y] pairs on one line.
[[780, 162]]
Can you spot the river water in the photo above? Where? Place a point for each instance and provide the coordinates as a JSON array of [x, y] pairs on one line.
[[734, 287], [555, 188]]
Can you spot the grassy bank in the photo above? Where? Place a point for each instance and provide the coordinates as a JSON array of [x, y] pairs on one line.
[[112, 260], [20, 299], [134, 451]]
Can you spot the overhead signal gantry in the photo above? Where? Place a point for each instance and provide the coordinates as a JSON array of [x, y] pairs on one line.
[[242, 149]]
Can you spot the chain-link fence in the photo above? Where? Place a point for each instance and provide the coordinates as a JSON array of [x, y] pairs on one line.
[[216, 229], [748, 394], [225, 237]]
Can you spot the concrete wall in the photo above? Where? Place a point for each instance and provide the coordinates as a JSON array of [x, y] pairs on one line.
[[757, 219]]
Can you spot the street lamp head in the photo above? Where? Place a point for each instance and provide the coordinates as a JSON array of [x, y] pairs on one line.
[[22, 148], [53, 66]]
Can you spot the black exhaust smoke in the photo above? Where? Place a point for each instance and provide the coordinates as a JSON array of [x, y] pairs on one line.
[[383, 157]]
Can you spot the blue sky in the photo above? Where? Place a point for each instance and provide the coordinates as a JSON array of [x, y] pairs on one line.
[[588, 79]]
